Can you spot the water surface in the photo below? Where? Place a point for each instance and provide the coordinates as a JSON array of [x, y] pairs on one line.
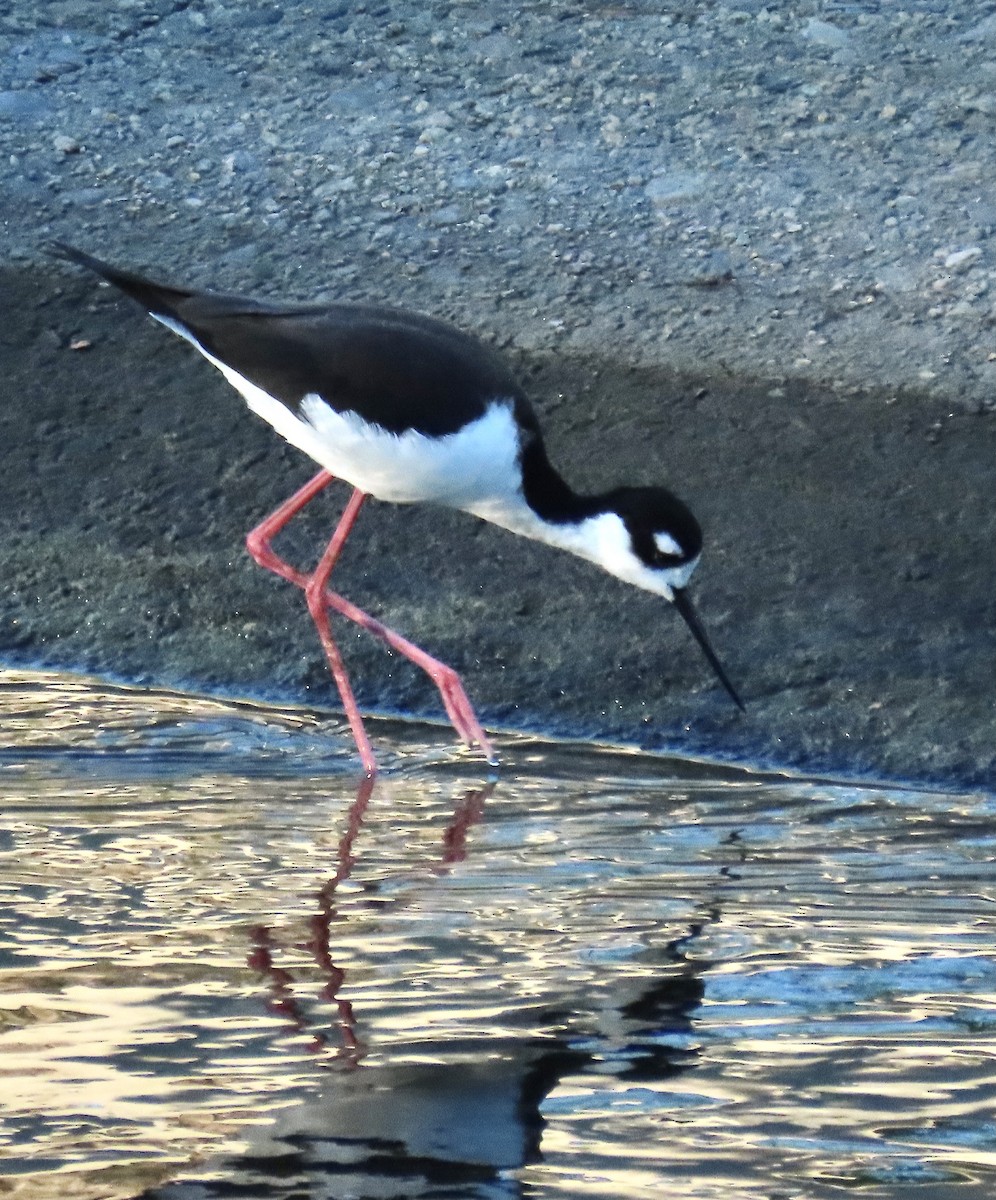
[[229, 968]]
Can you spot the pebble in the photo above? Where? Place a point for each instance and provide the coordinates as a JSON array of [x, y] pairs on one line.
[[822, 33], [715, 268], [666, 190], [959, 260]]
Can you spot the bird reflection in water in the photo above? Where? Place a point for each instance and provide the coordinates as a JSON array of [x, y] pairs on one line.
[[283, 1000], [466, 1114]]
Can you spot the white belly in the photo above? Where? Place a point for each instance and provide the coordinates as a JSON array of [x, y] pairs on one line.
[[479, 464]]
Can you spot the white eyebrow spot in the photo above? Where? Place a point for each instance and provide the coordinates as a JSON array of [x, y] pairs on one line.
[[666, 544]]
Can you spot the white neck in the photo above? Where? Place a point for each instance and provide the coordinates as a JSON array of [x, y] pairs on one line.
[[601, 539]]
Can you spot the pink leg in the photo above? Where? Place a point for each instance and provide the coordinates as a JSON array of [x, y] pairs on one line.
[[258, 544], [320, 600], [458, 707]]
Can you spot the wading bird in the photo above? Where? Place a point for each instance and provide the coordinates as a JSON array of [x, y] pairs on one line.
[[406, 408]]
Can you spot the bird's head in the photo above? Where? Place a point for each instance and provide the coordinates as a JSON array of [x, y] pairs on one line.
[[657, 548], [662, 540]]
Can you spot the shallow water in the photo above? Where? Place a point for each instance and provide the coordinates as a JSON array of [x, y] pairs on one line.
[[227, 969]]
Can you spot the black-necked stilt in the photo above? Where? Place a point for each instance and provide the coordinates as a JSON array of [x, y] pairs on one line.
[[406, 408]]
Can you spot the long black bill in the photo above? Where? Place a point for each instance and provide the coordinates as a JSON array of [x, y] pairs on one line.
[[684, 605]]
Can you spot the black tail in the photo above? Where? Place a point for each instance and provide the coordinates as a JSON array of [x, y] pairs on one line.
[[154, 297]]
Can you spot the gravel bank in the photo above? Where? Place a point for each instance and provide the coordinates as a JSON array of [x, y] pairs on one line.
[[746, 252]]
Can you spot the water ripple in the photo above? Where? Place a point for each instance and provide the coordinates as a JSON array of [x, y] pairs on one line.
[[228, 968]]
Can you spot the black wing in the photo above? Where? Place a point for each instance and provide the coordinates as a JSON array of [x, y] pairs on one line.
[[396, 368]]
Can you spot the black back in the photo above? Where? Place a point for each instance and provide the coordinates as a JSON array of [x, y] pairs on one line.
[[395, 368]]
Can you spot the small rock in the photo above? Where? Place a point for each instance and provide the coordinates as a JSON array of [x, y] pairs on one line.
[[331, 64], [238, 161], [449, 214], [822, 33], [962, 259], [665, 190], [63, 144], [714, 269]]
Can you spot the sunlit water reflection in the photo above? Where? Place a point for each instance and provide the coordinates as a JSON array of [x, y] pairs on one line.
[[227, 970]]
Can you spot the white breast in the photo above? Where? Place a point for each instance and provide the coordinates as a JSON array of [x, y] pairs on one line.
[[477, 464]]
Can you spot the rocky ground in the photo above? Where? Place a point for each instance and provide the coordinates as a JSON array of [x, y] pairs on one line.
[[743, 250]]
